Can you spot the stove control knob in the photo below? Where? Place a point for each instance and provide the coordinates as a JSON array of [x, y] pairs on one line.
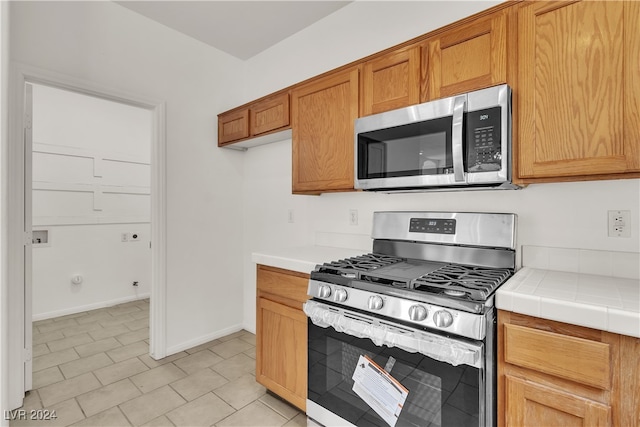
[[442, 318], [340, 295], [324, 291], [374, 303], [417, 313]]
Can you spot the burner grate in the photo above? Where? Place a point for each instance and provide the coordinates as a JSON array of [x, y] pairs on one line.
[[360, 263], [476, 282]]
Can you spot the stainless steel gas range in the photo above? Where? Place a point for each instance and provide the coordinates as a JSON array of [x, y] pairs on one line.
[[406, 335]]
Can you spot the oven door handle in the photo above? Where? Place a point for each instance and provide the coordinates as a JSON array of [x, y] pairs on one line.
[[449, 350], [459, 103]]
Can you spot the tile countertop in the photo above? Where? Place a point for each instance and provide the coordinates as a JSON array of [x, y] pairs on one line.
[[600, 301], [302, 259], [539, 288]]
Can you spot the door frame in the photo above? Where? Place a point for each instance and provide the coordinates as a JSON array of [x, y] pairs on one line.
[[19, 287]]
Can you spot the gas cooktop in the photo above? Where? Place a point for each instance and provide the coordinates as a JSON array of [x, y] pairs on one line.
[[439, 270], [455, 280]]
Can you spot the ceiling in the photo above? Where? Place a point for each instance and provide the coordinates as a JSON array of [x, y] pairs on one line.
[[240, 28]]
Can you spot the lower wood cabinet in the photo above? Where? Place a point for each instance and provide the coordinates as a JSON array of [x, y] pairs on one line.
[[281, 333], [556, 374], [532, 404]]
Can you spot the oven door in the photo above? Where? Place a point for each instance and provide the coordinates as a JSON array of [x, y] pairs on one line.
[[445, 377]]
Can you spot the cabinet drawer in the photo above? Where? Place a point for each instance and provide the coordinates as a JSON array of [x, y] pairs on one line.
[[576, 359], [283, 283]]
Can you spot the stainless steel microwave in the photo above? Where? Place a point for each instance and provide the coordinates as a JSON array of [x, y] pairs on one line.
[[460, 142]]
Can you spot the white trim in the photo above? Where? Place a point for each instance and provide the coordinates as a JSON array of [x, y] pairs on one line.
[[249, 327], [20, 75], [5, 93], [203, 339], [88, 307], [27, 367], [63, 150], [90, 188], [15, 243], [158, 308], [39, 221]]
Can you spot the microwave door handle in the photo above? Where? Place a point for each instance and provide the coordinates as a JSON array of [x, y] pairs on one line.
[[456, 138]]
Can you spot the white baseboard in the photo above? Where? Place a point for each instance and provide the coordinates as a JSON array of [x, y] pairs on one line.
[[250, 328], [88, 307], [203, 339]]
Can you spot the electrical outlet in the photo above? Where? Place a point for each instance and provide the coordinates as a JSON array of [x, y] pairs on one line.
[[619, 224], [124, 237], [353, 217], [290, 216]]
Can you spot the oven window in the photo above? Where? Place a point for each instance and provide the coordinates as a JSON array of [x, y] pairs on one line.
[[422, 148], [439, 394]]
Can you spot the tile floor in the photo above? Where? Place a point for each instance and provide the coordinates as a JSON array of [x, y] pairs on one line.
[[93, 369]]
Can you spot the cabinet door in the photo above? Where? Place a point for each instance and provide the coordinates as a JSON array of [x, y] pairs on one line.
[[281, 351], [467, 58], [322, 119], [570, 94], [233, 126], [391, 81], [632, 84], [531, 404], [269, 114]]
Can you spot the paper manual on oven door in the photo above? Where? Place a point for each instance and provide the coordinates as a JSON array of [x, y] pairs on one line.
[[383, 393]]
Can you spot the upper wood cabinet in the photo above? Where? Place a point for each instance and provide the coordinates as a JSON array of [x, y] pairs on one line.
[[323, 112], [266, 115], [233, 126], [467, 57], [578, 90], [391, 81], [269, 114]]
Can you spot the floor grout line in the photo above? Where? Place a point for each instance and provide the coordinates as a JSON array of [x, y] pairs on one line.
[[130, 321]]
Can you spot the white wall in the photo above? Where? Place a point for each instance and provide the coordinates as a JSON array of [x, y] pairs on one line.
[[108, 45], [357, 30], [91, 184], [569, 215]]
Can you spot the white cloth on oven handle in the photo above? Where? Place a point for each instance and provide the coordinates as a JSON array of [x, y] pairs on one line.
[[440, 348]]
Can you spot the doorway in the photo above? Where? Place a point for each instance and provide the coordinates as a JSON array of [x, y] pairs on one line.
[[104, 199], [91, 211]]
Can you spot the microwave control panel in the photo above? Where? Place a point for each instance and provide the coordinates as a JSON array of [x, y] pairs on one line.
[[484, 145]]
